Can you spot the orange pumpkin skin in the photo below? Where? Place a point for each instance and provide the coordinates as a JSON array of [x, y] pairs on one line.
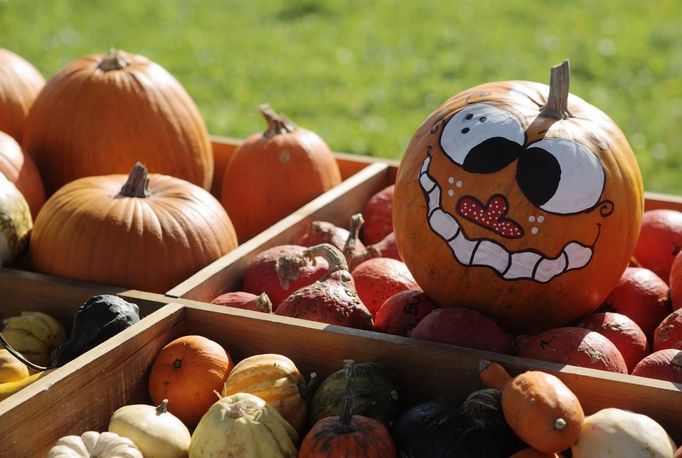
[[21, 170], [271, 174], [188, 372], [529, 266], [87, 231], [20, 83], [101, 113], [367, 438]]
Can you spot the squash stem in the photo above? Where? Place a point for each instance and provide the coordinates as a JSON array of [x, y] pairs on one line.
[[263, 303], [329, 252], [137, 184], [162, 408], [20, 357], [344, 425], [306, 389], [557, 100], [277, 124], [113, 60]]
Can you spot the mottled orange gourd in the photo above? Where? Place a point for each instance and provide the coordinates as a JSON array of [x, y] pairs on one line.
[[101, 113]]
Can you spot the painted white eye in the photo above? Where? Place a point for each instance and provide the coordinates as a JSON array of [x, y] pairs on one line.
[[490, 133], [560, 176]]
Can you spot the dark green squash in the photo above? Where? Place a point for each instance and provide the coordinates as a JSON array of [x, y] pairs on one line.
[[100, 318], [376, 395], [446, 427]]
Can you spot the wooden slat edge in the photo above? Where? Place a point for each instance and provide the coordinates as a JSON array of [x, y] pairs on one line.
[[215, 272]]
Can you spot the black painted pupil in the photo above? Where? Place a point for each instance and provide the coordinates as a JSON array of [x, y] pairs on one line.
[[538, 174], [491, 155]]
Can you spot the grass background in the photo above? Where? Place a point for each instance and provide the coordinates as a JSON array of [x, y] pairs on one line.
[[365, 74]]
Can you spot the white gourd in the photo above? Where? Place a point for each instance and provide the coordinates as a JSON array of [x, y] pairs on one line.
[[623, 434], [93, 444]]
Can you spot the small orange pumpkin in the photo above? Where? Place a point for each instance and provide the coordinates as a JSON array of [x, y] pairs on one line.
[[538, 407], [519, 200], [103, 112], [272, 174], [21, 170], [188, 372], [20, 83], [348, 434], [147, 232]]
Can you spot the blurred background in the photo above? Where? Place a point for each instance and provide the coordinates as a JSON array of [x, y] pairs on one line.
[[365, 74]]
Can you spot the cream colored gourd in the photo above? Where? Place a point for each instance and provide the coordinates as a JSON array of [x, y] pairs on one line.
[[92, 444], [616, 432], [275, 379], [156, 432], [243, 425], [15, 222]]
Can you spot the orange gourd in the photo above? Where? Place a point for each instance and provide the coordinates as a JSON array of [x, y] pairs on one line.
[[20, 83], [519, 200], [147, 232], [272, 174], [189, 372], [347, 434], [103, 112], [21, 170], [538, 407]]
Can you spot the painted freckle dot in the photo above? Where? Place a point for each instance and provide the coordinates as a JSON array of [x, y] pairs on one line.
[[482, 119], [534, 230], [459, 184], [469, 116], [531, 219], [451, 180], [541, 219], [451, 192], [465, 130]]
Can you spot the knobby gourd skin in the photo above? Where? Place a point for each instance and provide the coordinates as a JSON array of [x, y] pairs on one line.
[[528, 216]]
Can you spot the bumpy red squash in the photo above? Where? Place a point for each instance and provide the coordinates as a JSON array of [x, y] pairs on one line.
[[141, 231], [273, 173], [518, 200], [21, 170], [20, 83], [102, 113]]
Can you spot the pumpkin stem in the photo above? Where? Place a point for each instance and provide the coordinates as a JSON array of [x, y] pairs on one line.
[[557, 100], [20, 357], [263, 303], [113, 60], [162, 408], [329, 252], [306, 389], [137, 184], [492, 374], [277, 124], [344, 425]]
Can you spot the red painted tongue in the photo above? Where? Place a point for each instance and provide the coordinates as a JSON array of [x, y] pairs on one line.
[[490, 215]]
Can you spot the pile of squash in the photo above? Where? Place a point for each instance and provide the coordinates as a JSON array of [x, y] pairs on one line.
[[109, 168], [205, 405]]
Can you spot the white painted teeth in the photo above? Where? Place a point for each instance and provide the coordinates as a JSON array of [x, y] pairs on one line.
[[488, 253]]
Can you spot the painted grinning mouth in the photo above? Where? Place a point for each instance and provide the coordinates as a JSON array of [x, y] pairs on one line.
[[528, 264]]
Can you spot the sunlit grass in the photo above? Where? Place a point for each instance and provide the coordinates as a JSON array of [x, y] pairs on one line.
[[365, 74]]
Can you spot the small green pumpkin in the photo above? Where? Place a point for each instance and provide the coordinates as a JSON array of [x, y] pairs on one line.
[[15, 222], [376, 395]]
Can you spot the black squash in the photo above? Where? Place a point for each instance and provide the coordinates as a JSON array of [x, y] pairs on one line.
[[445, 427]]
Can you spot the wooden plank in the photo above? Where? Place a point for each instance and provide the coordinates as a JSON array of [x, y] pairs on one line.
[[83, 395], [336, 205]]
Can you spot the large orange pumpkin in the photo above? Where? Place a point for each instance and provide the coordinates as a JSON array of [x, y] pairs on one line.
[[271, 174], [103, 112], [189, 372], [138, 231], [21, 170], [20, 83], [518, 200]]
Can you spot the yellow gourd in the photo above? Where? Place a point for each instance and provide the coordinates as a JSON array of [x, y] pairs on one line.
[[243, 425], [156, 432], [11, 369]]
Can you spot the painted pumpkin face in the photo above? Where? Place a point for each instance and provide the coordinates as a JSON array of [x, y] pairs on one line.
[[526, 217]]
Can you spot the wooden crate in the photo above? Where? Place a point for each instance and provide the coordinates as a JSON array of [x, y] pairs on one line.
[[82, 395]]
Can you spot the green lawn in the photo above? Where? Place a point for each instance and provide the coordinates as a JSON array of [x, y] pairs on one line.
[[365, 74]]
